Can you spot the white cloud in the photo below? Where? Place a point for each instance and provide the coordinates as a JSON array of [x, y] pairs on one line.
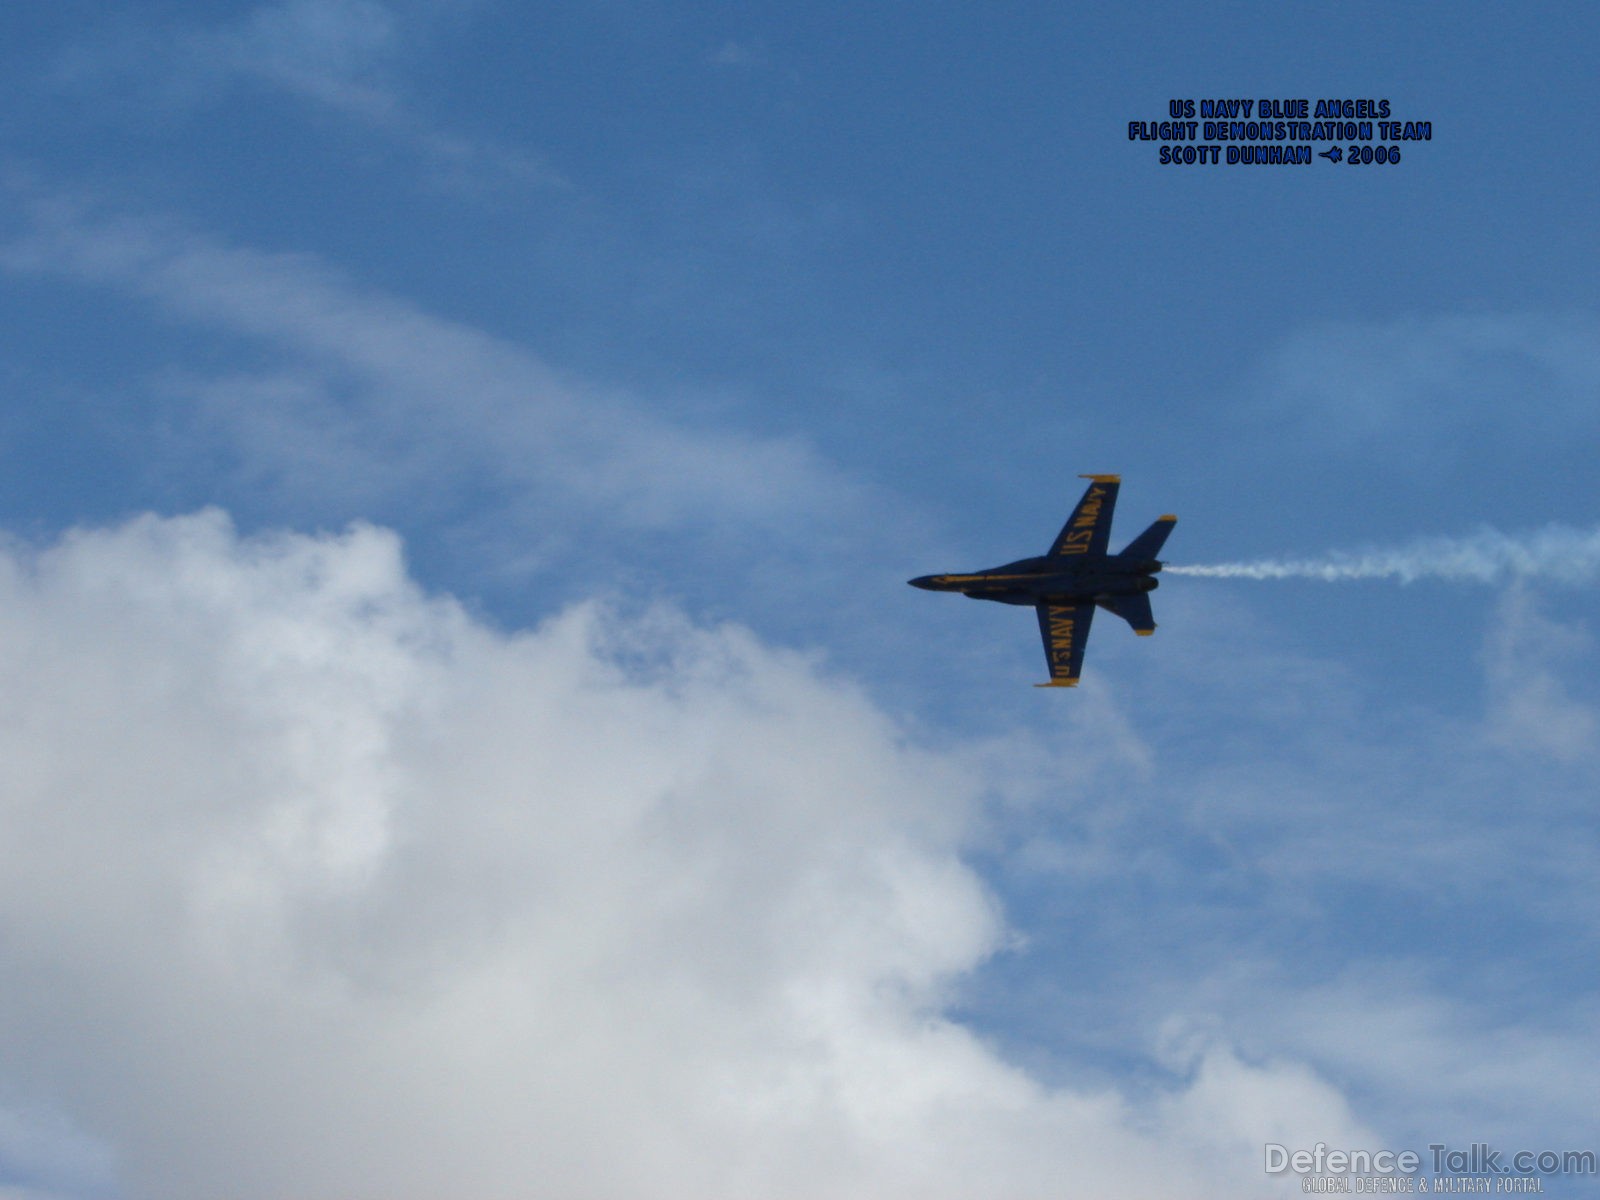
[[341, 57], [316, 886], [1378, 388], [343, 54], [334, 51], [1329, 882], [742, 55], [1438, 1064], [1530, 709], [1232, 1108], [376, 399]]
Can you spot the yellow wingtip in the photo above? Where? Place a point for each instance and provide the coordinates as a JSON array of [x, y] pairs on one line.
[[1103, 478], [1167, 517], [1058, 683], [1144, 632]]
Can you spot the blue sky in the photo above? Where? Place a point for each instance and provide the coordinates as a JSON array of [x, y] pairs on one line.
[[462, 464]]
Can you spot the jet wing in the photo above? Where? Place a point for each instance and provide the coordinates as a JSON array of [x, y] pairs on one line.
[[1088, 529], [1065, 629]]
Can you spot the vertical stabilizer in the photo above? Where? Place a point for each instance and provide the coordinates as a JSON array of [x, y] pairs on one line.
[[1148, 544]]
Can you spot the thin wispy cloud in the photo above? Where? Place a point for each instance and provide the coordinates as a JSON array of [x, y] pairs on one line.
[[1381, 388], [342, 57], [1532, 708], [747, 56], [1396, 1031], [345, 55], [403, 400], [339, 52]]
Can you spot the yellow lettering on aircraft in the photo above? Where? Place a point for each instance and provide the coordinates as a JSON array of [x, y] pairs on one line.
[[1063, 629], [1076, 542], [1083, 523]]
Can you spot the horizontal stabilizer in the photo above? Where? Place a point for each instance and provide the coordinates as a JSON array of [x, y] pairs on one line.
[[1148, 544], [1135, 610]]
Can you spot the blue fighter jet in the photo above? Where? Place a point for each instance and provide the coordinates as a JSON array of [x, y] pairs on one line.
[[1077, 574]]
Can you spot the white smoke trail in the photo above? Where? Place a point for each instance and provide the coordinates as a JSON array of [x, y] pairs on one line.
[[1557, 552]]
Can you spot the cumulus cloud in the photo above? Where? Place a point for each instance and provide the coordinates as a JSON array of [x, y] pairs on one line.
[[315, 885]]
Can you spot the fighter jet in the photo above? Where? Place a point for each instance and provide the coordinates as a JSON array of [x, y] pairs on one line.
[[1077, 574]]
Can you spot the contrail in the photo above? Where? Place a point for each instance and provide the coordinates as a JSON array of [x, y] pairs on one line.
[[1557, 552]]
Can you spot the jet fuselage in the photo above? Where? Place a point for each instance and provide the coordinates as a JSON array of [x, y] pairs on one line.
[[1051, 579]]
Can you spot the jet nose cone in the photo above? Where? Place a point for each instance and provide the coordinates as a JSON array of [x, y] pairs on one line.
[[925, 582]]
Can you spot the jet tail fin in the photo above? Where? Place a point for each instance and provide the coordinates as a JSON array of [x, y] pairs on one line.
[[1148, 544], [1134, 609]]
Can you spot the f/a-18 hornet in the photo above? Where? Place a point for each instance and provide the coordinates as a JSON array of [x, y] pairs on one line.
[[1077, 574]]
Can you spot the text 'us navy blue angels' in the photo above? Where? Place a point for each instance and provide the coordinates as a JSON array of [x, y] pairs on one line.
[[1077, 574]]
